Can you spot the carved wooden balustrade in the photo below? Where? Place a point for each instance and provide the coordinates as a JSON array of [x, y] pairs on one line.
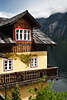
[[26, 77]]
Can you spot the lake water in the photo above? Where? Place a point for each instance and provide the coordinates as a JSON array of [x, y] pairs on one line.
[[61, 83]]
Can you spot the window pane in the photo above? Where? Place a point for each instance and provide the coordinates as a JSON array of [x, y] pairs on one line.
[[5, 64], [28, 31], [16, 36], [24, 36], [9, 67], [35, 60], [17, 31], [20, 36], [32, 59], [21, 31], [35, 64], [5, 67], [5, 61], [9, 62], [32, 64], [24, 31], [28, 36]]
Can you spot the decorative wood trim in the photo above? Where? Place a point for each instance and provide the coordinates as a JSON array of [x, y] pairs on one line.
[[22, 24], [26, 77], [22, 48]]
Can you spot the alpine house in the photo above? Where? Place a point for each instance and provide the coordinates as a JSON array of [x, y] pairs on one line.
[[23, 53]]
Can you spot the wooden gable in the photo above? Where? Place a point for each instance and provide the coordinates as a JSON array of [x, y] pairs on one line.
[[22, 24], [24, 20]]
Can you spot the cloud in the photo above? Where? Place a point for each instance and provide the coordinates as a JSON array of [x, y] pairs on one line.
[[44, 8], [6, 14], [38, 8], [40, 13]]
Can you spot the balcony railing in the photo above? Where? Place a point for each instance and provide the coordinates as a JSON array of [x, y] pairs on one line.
[[22, 47], [26, 77]]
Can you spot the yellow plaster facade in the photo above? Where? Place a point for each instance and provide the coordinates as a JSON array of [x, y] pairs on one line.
[[19, 66]]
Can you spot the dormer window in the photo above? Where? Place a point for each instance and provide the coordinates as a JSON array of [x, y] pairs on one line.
[[23, 34]]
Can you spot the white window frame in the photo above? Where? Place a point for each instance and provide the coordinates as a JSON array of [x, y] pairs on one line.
[[19, 39], [33, 63], [7, 65]]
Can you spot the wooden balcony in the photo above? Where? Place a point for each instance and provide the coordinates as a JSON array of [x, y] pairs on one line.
[[16, 48], [52, 72], [27, 77], [22, 47]]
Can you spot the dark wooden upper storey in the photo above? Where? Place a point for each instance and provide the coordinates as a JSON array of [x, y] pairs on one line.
[[20, 24]]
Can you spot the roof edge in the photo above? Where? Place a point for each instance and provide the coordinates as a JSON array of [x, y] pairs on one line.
[[13, 19]]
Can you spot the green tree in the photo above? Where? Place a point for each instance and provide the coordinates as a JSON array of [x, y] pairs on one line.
[[8, 98], [16, 93], [47, 93]]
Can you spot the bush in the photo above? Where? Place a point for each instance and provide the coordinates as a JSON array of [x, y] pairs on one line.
[[47, 93], [16, 93]]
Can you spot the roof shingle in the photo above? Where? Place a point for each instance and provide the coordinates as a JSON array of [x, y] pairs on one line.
[[41, 38]]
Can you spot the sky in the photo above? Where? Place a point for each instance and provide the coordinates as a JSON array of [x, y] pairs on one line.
[[38, 8]]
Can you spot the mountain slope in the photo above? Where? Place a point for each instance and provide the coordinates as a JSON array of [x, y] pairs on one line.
[[56, 27], [56, 24]]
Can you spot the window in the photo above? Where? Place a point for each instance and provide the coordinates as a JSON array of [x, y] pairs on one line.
[[8, 64], [23, 34], [34, 62]]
